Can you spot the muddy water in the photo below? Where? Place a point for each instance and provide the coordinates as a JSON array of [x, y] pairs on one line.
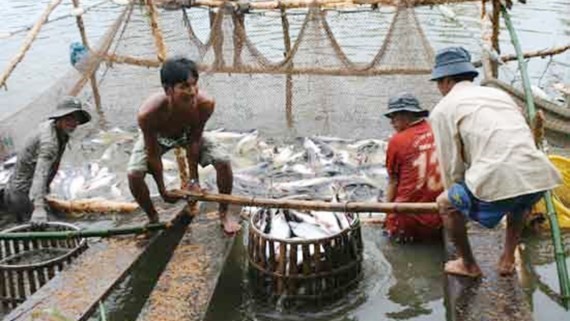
[[400, 281]]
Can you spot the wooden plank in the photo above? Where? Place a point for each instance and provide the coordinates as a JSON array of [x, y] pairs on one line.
[[185, 287], [75, 293], [492, 297]]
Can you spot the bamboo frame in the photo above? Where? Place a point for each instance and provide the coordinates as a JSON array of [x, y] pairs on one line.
[[495, 19], [102, 49], [274, 5], [28, 42], [542, 53], [559, 254], [84, 40], [156, 32], [347, 207]]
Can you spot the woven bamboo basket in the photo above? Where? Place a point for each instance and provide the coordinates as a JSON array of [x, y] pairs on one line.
[[26, 265], [329, 266]]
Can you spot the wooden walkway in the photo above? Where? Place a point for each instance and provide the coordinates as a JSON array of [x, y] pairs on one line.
[[492, 297], [186, 286]]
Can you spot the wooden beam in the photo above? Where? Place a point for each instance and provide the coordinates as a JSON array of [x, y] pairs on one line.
[[349, 207]]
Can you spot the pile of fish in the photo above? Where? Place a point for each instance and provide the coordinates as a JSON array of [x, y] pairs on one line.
[[302, 168], [296, 225]]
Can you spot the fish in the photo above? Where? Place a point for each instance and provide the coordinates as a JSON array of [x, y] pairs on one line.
[[308, 231], [248, 143], [279, 227], [447, 12], [340, 196], [319, 181]]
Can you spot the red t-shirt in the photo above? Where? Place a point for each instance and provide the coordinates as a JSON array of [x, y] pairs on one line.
[[411, 160]]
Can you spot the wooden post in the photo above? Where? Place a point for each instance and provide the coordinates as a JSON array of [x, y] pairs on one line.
[[495, 37], [486, 38], [288, 77], [92, 78], [28, 42], [102, 50], [285, 25], [157, 34]]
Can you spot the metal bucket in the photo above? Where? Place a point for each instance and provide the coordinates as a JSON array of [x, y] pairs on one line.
[[26, 265]]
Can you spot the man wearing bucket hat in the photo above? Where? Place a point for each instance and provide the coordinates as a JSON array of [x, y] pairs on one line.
[[489, 163], [38, 161], [412, 169]]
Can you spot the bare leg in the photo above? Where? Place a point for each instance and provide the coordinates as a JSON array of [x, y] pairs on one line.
[[224, 180], [454, 224], [140, 192], [514, 229]]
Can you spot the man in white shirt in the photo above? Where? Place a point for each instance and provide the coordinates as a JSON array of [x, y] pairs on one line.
[[489, 163]]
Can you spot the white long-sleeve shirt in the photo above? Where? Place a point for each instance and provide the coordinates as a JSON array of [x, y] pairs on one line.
[[482, 139]]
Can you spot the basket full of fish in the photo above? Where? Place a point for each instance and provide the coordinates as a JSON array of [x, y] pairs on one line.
[[302, 254]]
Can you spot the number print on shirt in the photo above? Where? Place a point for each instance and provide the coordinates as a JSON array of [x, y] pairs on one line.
[[433, 179]]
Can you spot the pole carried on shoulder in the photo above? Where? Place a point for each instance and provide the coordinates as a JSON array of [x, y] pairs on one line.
[[531, 111]]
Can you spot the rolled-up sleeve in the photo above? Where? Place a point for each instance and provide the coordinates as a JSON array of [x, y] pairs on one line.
[[449, 146]]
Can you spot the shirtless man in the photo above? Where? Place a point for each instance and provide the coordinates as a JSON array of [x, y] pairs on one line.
[[176, 118]]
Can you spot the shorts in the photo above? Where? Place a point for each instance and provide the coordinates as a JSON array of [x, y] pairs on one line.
[[488, 214], [211, 152]]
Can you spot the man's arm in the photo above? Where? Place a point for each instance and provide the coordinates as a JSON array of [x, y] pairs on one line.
[[391, 188], [206, 109], [392, 167], [449, 148], [153, 153], [47, 156]]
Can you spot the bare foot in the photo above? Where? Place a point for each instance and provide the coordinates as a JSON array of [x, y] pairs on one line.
[[458, 267], [230, 225], [506, 266]]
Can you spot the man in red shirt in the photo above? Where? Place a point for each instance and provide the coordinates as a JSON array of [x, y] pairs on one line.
[[413, 170]]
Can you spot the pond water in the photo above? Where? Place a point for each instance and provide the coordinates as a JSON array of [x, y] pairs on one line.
[[401, 282]]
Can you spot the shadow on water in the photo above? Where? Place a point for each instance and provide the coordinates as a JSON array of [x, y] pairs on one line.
[[400, 282]]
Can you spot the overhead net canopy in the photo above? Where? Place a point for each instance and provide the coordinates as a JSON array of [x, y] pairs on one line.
[[316, 84]]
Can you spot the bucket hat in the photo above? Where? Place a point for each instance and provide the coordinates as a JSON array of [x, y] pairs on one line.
[[405, 102], [452, 61], [71, 105]]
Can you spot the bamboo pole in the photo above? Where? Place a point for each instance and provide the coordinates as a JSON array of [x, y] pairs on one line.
[[48, 21], [495, 19], [542, 53], [157, 34], [63, 235], [486, 35], [559, 254], [101, 51], [273, 5], [143, 62], [28, 42], [352, 207], [91, 206], [84, 40]]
